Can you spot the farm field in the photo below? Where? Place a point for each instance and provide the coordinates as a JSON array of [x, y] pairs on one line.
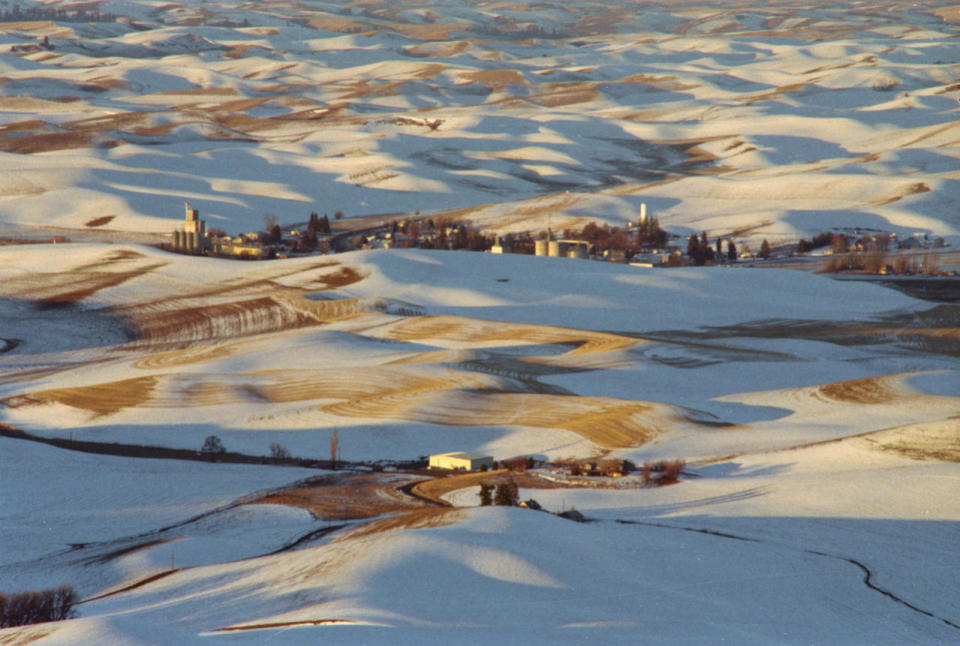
[[817, 420]]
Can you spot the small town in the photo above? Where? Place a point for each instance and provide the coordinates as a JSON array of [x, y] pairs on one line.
[[643, 243]]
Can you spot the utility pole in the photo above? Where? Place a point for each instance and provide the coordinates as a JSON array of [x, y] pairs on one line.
[[334, 448]]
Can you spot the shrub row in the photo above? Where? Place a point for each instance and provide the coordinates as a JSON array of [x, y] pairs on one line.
[[33, 607]]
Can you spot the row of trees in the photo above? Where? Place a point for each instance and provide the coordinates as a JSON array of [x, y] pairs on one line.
[[841, 243], [34, 607], [646, 235], [701, 253], [876, 261], [213, 446], [316, 226], [18, 14]]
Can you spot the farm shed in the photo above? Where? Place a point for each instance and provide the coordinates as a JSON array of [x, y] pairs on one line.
[[460, 460]]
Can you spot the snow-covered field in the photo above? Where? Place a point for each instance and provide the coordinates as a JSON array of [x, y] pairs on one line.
[[819, 419], [821, 442], [776, 122]]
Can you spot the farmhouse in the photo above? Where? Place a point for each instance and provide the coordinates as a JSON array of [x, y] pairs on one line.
[[460, 461], [246, 245]]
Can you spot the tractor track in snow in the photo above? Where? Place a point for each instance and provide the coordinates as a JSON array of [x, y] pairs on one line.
[[867, 572]]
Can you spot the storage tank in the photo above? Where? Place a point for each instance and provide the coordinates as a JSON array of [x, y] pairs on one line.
[[540, 247], [553, 249]]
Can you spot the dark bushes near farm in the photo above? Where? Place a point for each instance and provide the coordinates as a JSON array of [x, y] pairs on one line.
[[32, 607], [663, 472], [504, 494]]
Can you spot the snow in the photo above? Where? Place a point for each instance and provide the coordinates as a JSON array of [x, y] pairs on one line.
[[636, 583], [91, 498], [817, 418]]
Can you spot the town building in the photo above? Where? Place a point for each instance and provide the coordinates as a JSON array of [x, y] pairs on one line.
[[247, 245]]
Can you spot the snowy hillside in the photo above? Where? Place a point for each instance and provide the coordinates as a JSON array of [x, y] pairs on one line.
[[816, 423]]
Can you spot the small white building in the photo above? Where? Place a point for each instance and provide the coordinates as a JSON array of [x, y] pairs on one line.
[[460, 461]]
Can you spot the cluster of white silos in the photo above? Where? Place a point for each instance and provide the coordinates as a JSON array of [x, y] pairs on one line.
[[547, 247], [560, 248], [570, 248]]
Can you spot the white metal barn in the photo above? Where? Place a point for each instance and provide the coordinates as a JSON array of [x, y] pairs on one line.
[[460, 460]]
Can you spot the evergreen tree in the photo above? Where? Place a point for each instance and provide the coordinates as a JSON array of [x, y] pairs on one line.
[[765, 249], [486, 494], [460, 240], [699, 250], [649, 233], [506, 495], [731, 250], [274, 235]]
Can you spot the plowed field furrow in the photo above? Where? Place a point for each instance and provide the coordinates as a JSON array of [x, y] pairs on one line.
[[157, 324], [370, 382], [610, 423], [101, 399], [270, 388], [187, 356], [468, 330], [69, 287]]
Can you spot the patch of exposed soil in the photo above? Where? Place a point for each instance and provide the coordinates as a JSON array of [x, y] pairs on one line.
[[348, 496], [436, 488], [872, 390], [99, 222], [927, 441], [420, 519]]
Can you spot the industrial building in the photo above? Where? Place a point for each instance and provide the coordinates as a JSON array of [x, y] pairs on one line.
[[561, 248], [192, 238], [460, 461]]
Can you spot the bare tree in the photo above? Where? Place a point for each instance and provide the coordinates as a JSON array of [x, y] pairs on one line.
[[33, 607]]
